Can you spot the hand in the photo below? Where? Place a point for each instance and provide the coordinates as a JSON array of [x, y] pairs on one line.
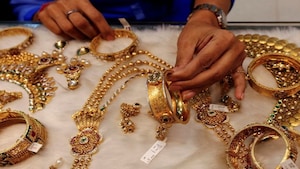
[[85, 22], [205, 55]]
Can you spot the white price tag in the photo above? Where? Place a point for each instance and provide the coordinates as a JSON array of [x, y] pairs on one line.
[[153, 151], [288, 164], [125, 24], [218, 107], [35, 147]]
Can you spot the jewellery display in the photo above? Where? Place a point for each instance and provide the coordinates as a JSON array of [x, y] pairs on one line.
[[72, 71], [166, 107], [28, 71], [216, 120], [88, 119], [240, 152], [282, 63], [127, 111], [15, 31], [119, 33], [6, 97], [30, 142]]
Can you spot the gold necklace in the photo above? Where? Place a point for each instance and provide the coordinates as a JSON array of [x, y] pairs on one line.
[[88, 119]]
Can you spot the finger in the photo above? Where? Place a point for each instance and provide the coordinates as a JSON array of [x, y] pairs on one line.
[[99, 21], [239, 78], [51, 24], [209, 76], [82, 24], [58, 14], [214, 48]]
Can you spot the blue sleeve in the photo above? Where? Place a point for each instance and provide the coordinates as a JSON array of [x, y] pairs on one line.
[[25, 9], [231, 5]]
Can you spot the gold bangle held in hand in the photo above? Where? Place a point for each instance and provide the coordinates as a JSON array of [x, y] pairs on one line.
[[284, 63], [114, 55], [35, 134], [166, 107]]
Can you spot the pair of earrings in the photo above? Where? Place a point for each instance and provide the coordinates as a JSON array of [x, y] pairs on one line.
[[128, 110], [73, 69]]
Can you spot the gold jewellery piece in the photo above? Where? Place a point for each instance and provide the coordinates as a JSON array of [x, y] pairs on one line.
[[14, 31], [216, 117], [72, 71], [128, 110], [119, 33], [257, 45], [241, 150], [282, 63], [30, 142], [166, 107], [28, 71], [6, 97], [89, 118]]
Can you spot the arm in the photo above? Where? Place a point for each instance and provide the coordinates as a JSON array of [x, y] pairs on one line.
[[25, 9], [206, 53]]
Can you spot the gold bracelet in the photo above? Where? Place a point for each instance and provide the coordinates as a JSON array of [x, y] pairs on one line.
[[283, 63], [35, 134], [166, 107], [115, 55], [241, 155], [13, 31]]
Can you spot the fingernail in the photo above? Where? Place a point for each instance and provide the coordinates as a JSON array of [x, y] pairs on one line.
[[168, 74]]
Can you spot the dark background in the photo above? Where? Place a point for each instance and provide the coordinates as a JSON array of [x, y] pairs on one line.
[[6, 13]]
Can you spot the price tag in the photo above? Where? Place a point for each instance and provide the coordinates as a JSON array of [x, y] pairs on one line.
[[125, 24], [35, 147], [153, 151], [218, 107], [288, 164]]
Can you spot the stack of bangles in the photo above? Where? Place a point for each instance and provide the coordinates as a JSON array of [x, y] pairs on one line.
[[166, 107], [241, 150], [282, 63], [30, 142]]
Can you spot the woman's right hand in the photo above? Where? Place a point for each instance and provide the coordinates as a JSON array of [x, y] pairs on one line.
[[75, 19]]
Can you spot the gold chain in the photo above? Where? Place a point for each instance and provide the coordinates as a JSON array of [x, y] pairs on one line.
[[88, 119]]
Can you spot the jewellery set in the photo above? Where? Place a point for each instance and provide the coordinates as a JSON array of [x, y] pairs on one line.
[[281, 59], [127, 67], [28, 71]]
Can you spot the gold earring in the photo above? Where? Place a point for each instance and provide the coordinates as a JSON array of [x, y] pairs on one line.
[[127, 111], [72, 70]]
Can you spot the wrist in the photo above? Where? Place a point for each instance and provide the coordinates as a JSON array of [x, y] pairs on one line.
[[210, 14], [203, 17]]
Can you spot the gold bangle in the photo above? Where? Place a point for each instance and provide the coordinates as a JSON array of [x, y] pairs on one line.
[[290, 149], [114, 55], [280, 62], [240, 155], [166, 107], [35, 134], [19, 47]]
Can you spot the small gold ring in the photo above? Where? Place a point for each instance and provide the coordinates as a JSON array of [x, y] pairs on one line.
[[68, 13]]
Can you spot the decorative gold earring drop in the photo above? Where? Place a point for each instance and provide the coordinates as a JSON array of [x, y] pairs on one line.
[[128, 110], [72, 70]]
